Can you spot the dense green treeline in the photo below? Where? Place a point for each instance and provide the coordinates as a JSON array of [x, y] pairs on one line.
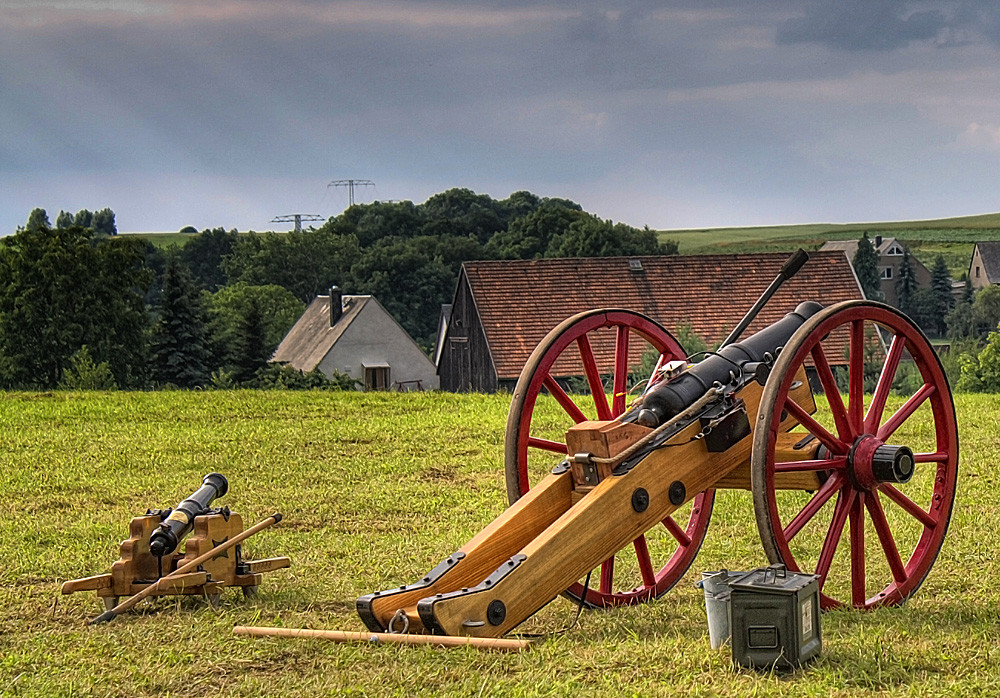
[[81, 306]]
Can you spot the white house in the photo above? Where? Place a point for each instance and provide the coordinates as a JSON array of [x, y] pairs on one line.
[[356, 336]]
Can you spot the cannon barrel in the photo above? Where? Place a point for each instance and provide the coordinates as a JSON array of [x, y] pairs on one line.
[[673, 397], [168, 534]]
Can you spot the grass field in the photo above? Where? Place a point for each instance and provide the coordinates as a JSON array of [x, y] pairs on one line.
[[376, 489]]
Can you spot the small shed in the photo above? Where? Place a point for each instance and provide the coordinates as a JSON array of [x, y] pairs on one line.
[[356, 336], [503, 309]]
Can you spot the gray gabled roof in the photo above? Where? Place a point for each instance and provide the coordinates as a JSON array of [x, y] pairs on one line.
[[312, 337], [989, 252]]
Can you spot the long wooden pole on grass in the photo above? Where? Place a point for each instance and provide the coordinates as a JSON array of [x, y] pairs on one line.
[[498, 644], [183, 569]]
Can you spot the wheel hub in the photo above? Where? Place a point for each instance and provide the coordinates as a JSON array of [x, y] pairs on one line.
[[870, 462]]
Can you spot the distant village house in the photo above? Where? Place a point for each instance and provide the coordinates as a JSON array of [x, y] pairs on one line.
[[890, 258], [354, 335]]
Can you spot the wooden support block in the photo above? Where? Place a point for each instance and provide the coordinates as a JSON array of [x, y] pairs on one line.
[[98, 581], [268, 565]]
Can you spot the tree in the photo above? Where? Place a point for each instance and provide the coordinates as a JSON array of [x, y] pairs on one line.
[[306, 263], [906, 284], [981, 374], [84, 218], [179, 347], [61, 290], [529, 237], [103, 222], [203, 255], [942, 298], [986, 310], [228, 310], [38, 219], [592, 237], [64, 220], [866, 267]]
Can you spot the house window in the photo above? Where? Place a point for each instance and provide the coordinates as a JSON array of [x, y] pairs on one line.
[[886, 272], [377, 377], [977, 272], [895, 251]]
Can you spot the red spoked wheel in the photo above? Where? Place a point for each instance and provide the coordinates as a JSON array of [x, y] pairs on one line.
[[592, 352], [886, 465]]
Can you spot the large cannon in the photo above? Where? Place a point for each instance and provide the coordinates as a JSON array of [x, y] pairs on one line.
[[838, 419]]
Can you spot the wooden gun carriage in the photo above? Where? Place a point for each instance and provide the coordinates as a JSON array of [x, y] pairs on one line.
[[839, 420]]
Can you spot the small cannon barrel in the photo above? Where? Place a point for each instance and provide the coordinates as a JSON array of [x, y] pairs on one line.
[[673, 397], [168, 534]]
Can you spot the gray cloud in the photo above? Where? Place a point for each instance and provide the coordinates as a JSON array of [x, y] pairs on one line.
[[863, 24], [710, 106]]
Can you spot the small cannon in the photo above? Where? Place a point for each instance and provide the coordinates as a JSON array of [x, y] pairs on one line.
[[858, 491], [150, 554]]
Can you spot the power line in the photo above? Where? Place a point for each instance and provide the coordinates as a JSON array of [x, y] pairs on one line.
[[350, 184], [297, 218]]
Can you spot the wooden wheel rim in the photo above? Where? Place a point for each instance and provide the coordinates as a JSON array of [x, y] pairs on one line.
[[535, 376], [858, 506]]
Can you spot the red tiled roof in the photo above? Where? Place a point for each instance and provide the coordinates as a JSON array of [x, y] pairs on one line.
[[519, 301]]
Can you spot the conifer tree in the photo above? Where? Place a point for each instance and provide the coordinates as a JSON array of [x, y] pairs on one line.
[[866, 267], [180, 350], [906, 284]]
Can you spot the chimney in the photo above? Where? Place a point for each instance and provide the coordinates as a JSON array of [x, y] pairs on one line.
[[336, 304], [878, 241]]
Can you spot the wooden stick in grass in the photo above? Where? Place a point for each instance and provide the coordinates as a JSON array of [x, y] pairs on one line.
[[498, 644], [183, 569]]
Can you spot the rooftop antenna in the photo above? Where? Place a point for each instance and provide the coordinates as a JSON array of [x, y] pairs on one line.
[[350, 184], [297, 218]]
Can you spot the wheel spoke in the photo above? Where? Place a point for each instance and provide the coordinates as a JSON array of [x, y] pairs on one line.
[[877, 406], [856, 381], [909, 506], [621, 371], [874, 506], [858, 551], [815, 428], [679, 534], [832, 392], [546, 445], [845, 499], [936, 457], [813, 506], [593, 377], [905, 412], [645, 564], [565, 400], [607, 575], [809, 466]]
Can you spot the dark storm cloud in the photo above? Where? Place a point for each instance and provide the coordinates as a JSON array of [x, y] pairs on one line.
[[885, 25]]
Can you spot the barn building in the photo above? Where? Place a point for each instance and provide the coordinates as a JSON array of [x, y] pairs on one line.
[[503, 309]]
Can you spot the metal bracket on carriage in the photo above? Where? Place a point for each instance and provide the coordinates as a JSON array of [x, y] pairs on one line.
[[364, 603], [496, 610]]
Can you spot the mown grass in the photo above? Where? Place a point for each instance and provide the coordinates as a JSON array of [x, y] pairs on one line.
[[376, 489]]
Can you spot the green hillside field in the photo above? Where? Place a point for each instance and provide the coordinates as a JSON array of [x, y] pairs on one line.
[[376, 489], [953, 238]]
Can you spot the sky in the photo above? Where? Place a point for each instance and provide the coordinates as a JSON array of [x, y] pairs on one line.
[[671, 114]]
